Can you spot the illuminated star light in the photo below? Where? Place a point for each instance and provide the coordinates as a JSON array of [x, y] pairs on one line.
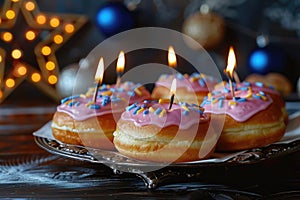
[[59, 29]]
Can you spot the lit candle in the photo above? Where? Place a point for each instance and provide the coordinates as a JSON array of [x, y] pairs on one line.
[[172, 93], [98, 77], [172, 61], [231, 62], [120, 67]]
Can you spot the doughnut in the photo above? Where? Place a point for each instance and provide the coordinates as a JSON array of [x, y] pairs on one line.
[[252, 118], [80, 121], [190, 89], [149, 131], [257, 87]]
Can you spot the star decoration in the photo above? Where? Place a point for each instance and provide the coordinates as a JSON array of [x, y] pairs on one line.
[[27, 50]]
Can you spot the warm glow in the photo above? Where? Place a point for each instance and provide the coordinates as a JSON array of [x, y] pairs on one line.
[[69, 28], [10, 83], [10, 14], [7, 36], [30, 6], [35, 77], [30, 35], [120, 63], [50, 65], [54, 22], [100, 71], [1, 94], [58, 39], [16, 53], [46, 51], [231, 62], [41, 19], [15, 1], [52, 79], [21, 70], [172, 57], [0, 58], [173, 87]]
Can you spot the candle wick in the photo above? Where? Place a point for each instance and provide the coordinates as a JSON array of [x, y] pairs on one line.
[[96, 91], [171, 101]]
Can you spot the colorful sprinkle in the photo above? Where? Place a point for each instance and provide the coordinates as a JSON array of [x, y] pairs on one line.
[[69, 98], [131, 93], [129, 108], [221, 103], [163, 113], [259, 84], [256, 96], [163, 101], [146, 112], [136, 110], [94, 106], [201, 82], [151, 109], [179, 76], [185, 108], [107, 93], [231, 103], [157, 111], [185, 112], [140, 110]]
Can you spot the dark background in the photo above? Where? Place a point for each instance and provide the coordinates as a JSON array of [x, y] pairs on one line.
[[244, 21]]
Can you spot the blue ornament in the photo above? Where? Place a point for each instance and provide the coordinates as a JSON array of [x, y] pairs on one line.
[[265, 60], [113, 18]]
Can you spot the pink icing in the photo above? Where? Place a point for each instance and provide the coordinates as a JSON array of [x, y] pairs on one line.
[[194, 83], [109, 100], [241, 108], [176, 116]]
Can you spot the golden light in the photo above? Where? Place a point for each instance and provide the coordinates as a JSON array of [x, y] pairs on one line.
[[58, 39], [30, 35], [35, 77], [100, 71], [54, 22], [231, 62], [7, 36], [50, 65], [1, 58], [22, 70], [172, 57], [46, 50], [10, 14], [41, 19], [30, 6], [10, 83], [52, 79], [1, 94], [16, 53], [69, 28], [15, 1], [120, 63], [173, 87]]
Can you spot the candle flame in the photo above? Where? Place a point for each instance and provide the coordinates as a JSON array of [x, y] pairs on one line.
[[173, 87], [172, 57], [231, 62], [100, 71], [120, 63]]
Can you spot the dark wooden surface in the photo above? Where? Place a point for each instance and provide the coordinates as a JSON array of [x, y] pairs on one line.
[[27, 171]]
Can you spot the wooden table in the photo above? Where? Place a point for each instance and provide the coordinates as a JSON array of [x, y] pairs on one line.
[[28, 171]]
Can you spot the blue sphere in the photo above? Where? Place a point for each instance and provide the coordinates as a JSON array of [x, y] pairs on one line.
[[265, 60], [113, 18]]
